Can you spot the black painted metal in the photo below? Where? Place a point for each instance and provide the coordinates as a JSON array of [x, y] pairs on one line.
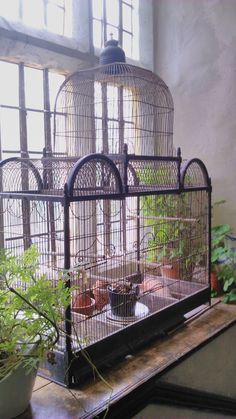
[[112, 53], [136, 335], [113, 214], [29, 165], [68, 318]]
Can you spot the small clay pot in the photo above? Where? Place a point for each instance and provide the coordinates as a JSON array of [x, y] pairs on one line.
[[100, 293], [150, 285], [171, 270], [215, 284], [83, 304]]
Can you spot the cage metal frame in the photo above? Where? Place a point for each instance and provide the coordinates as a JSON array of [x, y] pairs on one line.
[[138, 333], [113, 142]]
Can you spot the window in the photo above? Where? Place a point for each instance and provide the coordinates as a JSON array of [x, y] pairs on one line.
[[117, 18], [52, 15], [113, 115], [26, 101], [114, 123]]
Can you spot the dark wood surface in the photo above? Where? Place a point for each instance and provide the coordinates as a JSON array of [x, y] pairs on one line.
[[136, 370]]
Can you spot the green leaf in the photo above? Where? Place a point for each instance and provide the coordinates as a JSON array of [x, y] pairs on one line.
[[228, 283]]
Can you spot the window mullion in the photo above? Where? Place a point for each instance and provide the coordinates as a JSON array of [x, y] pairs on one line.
[[47, 113], [24, 153], [22, 113], [20, 13], [120, 23], [45, 20], [90, 13], [104, 22]]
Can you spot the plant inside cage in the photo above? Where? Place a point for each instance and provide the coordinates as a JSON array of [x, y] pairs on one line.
[[171, 230], [123, 298]]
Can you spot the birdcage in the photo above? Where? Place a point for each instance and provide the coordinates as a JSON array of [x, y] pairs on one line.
[[113, 203]]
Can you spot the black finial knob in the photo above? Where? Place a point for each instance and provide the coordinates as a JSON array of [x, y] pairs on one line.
[[112, 53]]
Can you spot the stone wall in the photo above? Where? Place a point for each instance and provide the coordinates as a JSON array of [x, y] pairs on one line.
[[196, 56]]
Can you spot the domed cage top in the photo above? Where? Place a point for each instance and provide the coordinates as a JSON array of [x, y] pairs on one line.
[[99, 110], [112, 203]]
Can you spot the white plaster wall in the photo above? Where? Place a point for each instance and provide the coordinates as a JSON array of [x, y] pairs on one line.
[[195, 53]]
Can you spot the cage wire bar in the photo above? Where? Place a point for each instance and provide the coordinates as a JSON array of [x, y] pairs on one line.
[[114, 203]]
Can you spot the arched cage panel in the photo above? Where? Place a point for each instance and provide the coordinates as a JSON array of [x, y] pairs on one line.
[[46, 176], [100, 109], [152, 175], [94, 175], [194, 174], [19, 175]]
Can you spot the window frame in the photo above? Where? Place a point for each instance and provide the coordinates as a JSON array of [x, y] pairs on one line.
[[47, 111], [120, 28], [21, 17]]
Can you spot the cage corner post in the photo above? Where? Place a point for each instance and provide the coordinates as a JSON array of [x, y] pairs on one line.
[[68, 319]]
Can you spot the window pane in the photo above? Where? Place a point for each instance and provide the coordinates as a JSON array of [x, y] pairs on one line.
[[113, 137], [10, 133], [99, 139], [98, 99], [129, 135], [55, 81], [55, 19], [112, 102], [127, 17], [68, 18], [9, 9], [128, 103], [127, 44], [33, 13], [9, 84], [97, 8], [112, 31], [33, 88], [35, 132], [97, 33], [112, 12]]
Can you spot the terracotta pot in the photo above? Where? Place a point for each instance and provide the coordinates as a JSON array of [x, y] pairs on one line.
[[215, 284], [100, 293], [150, 285], [171, 270], [83, 304]]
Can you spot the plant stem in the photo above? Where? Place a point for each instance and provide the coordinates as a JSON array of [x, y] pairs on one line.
[[37, 311]]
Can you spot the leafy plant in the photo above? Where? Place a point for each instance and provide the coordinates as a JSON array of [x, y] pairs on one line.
[[219, 250], [222, 259], [170, 231], [32, 309], [227, 275], [30, 314]]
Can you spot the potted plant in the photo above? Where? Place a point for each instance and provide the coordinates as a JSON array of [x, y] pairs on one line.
[[227, 276], [30, 317], [223, 272], [123, 297], [100, 293], [176, 256], [82, 302], [169, 257], [167, 219]]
